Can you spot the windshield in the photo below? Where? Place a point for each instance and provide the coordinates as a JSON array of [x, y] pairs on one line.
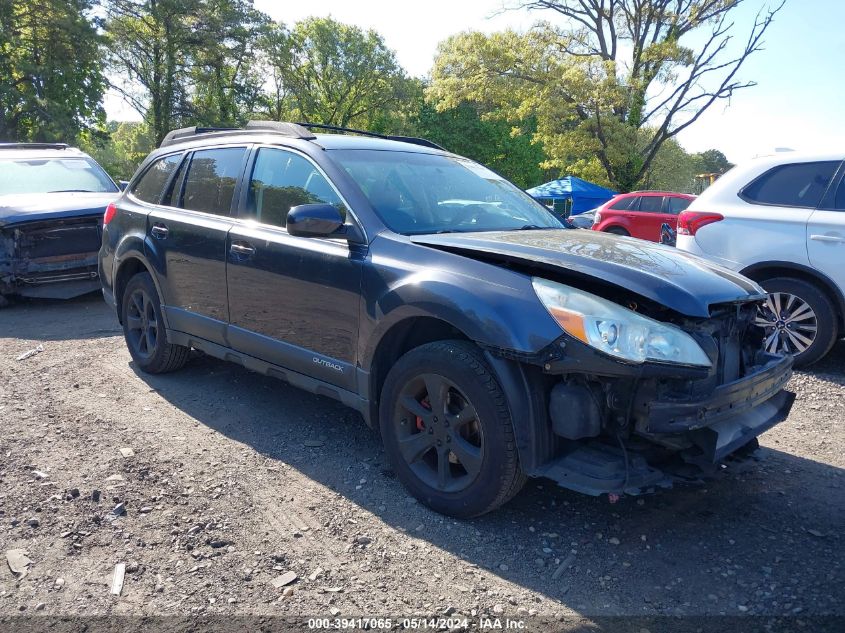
[[432, 193], [47, 175]]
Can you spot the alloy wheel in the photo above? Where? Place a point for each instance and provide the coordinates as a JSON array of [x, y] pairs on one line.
[[142, 324], [789, 322], [439, 434]]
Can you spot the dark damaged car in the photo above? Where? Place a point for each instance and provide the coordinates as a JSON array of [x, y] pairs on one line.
[[484, 339], [52, 200]]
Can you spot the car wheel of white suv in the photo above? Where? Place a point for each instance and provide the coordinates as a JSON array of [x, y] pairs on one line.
[[798, 319]]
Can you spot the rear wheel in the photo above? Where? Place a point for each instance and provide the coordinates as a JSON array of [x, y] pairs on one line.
[[144, 330], [618, 230], [798, 319], [447, 430]]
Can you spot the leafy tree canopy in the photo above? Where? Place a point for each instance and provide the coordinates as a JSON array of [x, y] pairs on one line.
[[336, 74], [51, 78], [609, 86]]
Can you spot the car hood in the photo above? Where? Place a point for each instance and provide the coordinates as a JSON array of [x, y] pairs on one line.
[[685, 283], [34, 207]]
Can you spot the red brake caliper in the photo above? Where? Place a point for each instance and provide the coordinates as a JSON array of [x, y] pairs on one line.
[[426, 404]]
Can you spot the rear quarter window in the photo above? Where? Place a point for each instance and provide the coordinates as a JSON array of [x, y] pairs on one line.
[[795, 185], [151, 185], [624, 203]]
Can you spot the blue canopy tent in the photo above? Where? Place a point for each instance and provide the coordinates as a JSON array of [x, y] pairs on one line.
[[578, 195]]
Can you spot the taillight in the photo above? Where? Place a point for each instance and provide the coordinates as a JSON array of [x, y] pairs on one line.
[[596, 218], [689, 222], [111, 210]]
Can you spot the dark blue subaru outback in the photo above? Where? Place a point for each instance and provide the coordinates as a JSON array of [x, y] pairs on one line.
[[484, 338]]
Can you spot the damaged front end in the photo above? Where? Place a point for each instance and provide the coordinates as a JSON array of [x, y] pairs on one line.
[[50, 259], [659, 372], [625, 428]]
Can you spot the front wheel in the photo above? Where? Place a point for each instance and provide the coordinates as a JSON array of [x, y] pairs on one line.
[[617, 230], [144, 329], [798, 319], [447, 430]]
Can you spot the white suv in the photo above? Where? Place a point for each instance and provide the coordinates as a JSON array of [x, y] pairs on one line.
[[780, 220]]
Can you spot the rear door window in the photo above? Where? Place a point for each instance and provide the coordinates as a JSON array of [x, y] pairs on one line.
[[211, 179], [281, 180], [651, 204], [795, 185], [151, 185]]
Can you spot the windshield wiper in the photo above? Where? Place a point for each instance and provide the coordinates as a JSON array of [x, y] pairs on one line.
[[72, 191], [532, 227]]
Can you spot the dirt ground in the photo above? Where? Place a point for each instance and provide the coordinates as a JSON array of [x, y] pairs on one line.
[[233, 479]]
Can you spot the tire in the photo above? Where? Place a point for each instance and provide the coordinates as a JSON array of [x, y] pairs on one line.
[[821, 316], [617, 230], [143, 328], [482, 472]]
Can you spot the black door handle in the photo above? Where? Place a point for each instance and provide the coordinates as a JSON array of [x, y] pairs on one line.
[[242, 250], [159, 231]]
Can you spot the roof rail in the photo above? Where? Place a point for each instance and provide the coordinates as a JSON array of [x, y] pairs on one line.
[[28, 145], [404, 139], [291, 130]]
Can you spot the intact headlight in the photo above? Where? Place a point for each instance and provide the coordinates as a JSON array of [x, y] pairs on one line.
[[615, 330]]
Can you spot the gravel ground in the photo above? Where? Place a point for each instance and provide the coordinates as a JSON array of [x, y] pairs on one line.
[[213, 482]]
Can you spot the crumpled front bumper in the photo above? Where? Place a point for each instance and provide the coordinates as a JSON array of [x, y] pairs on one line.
[[50, 259], [730, 417]]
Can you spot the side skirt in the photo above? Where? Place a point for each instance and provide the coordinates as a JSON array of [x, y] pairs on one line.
[[301, 381]]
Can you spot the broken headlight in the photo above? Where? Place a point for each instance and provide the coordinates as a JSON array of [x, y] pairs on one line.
[[615, 330]]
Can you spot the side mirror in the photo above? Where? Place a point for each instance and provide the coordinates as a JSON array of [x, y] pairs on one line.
[[123, 184], [314, 220]]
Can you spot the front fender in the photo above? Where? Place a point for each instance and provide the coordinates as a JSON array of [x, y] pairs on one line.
[[501, 316]]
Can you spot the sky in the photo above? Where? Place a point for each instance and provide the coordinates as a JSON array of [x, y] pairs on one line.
[[797, 102]]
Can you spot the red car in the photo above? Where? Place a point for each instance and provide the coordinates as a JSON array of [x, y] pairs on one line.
[[641, 213]]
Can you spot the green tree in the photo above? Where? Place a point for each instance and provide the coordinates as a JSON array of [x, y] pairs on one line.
[[185, 62], [336, 74], [274, 52], [712, 161], [51, 81], [616, 72], [497, 144], [149, 44], [119, 147], [673, 169], [226, 78]]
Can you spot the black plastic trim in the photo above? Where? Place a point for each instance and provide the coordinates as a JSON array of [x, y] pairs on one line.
[[732, 400], [296, 379]]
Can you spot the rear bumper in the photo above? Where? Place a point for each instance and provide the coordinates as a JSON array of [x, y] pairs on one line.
[[689, 244]]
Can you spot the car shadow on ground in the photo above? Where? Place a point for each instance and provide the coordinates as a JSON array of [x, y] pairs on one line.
[[742, 541], [84, 317]]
